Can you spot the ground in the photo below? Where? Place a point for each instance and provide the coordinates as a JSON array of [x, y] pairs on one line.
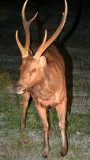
[[74, 45]]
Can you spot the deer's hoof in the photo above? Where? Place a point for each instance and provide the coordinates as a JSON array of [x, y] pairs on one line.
[[22, 127], [64, 150], [45, 153]]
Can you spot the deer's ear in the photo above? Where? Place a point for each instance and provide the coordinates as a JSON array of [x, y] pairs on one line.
[[43, 61]]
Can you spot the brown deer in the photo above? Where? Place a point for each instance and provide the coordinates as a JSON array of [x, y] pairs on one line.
[[43, 77]]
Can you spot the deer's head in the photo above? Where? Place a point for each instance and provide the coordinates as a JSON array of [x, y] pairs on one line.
[[31, 70]]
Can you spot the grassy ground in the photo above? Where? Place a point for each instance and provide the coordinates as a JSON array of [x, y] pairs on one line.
[[15, 144], [28, 145]]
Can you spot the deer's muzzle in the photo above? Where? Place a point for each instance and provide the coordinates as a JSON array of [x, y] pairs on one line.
[[19, 88]]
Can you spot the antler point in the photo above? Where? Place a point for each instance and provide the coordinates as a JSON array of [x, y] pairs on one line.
[[16, 33]]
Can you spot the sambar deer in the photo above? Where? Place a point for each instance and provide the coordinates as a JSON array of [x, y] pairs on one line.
[[43, 77]]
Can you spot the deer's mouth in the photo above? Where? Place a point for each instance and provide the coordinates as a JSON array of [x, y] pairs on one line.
[[19, 89]]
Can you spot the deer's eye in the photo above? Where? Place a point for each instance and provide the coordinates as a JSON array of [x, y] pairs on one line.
[[32, 71]]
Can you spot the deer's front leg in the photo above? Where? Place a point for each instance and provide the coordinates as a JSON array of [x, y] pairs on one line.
[[61, 110], [43, 115], [26, 97]]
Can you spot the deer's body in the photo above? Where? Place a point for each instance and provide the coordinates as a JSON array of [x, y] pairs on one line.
[[51, 90], [43, 77]]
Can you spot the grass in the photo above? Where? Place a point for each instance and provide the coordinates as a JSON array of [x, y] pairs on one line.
[[26, 145]]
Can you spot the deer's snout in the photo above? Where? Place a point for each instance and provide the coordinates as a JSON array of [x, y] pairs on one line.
[[19, 88]]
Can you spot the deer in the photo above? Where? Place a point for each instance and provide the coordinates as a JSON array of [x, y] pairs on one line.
[[42, 77]]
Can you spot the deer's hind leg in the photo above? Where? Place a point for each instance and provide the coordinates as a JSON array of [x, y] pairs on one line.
[[61, 111]]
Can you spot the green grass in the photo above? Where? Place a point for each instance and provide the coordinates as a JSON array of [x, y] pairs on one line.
[[28, 144], [81, 123]]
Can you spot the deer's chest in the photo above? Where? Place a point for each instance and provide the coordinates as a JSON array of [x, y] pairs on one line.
[[50, 102], [43, 96]]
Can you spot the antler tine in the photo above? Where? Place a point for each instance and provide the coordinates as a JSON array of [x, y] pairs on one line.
[[39, 51], [26, 25], [43, 47], [33, 18], [22, 49]]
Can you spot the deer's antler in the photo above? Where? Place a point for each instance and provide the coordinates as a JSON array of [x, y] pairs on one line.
[[26, 24], [45, 45]]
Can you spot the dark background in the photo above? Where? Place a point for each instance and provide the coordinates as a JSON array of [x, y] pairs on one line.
[[76, 33]]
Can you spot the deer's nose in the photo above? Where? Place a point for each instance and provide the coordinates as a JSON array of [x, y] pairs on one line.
[[19, 88]]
